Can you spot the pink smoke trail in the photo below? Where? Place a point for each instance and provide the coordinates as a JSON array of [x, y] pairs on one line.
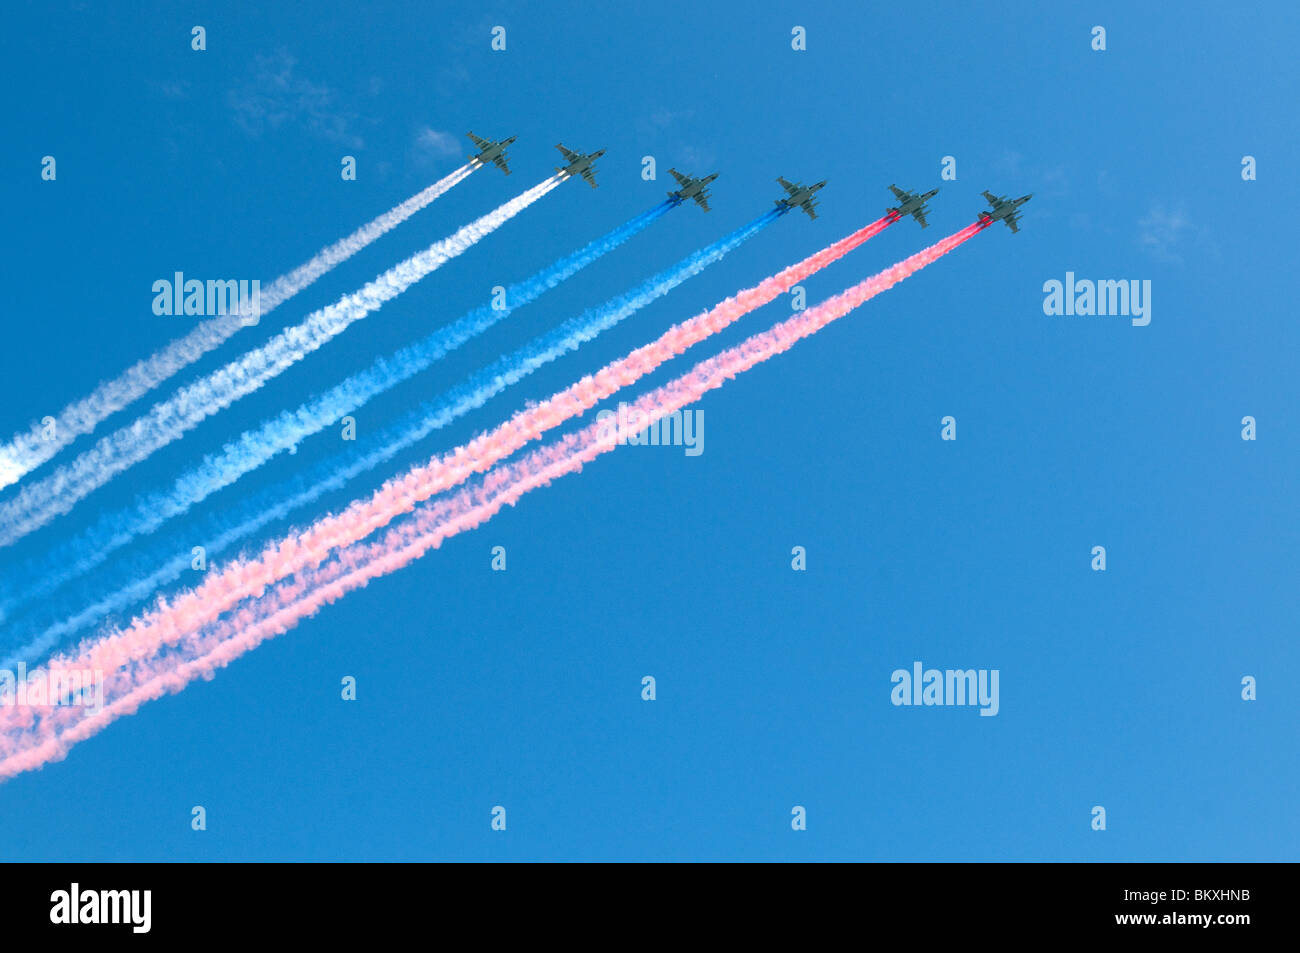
[[27, 744], [239, 579]]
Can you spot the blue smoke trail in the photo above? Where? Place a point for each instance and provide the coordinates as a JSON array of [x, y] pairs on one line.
[[255, 447], [276, 503]]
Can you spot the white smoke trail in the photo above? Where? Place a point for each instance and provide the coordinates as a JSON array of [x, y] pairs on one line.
[[194, 634], [168, 420], [26, 451], [36, 578]]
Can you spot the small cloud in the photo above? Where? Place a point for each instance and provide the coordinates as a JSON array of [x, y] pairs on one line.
[[435, 144], [696, 161], [274, 96], [1163, 231], [663, 118], [175, 89], [455, 74], [660, 120], [1054, 180], [1009, 163], [1016, 174]]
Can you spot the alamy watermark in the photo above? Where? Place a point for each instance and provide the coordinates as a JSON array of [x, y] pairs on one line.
[[632, 427], [1124, 297], [52, 688], [77, 905], [932, 686], [181, 296]]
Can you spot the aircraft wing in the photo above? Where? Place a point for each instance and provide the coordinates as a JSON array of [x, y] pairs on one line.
[[898, 193], [701, 198], [991, 199], [478, 141], [787, 185], [1011, 221], [919, 215], [589, 176], [681, 179], [808, 207], [501, 164], [567, 153]]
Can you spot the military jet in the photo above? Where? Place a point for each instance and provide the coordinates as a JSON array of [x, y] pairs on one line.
[[490, 151], [800, 196], [912, 203], [579, 164], [692, 188], [1004, 208]]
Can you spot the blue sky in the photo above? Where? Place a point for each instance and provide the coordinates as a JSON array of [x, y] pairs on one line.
[[522, 688]]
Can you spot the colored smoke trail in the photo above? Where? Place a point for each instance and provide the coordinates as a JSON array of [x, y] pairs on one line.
[[255, 447], [432, 415], [166, 652], [26, 451], [141, 579], [168, 420]]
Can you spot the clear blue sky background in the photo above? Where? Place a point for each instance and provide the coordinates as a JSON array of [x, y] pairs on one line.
[[523, 688]]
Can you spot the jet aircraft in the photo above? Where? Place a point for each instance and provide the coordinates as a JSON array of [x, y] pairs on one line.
[[799, 196], [912, 203], [580, 164], [491, 151], [692, 188], [1004, 209]]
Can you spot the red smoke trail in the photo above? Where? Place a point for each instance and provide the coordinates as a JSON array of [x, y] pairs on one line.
[[239, 579], [187, 654]]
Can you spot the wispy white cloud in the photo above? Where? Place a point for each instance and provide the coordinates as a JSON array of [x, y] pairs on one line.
[[1010, 163], [1164, 230], [274, 96], [437, 144], [174, 89]]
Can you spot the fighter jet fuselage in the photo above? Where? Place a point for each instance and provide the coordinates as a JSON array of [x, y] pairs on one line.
[[799, 196], [579, 163], [1003, 209], [491, 151], [692, 188], [912, 203]]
